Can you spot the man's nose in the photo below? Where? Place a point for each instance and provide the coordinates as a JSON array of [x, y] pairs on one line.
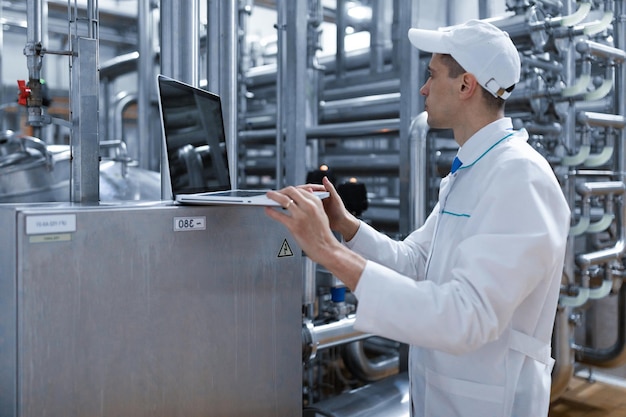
[[424, 89]]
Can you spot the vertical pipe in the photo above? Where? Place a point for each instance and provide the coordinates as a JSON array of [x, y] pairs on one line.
[[315, 73], [562, 352], [33, 36], [2, 118], [418, 189], [229, 51], [245, 60], [378, 28], [33, 51], [569, 139], [179, 52], [294, 108], [281, 13], [340, 54], [213, 45], [92, 16], [620, 85], [38, 130], [180, 40], [484, 9], [145, 81], [408, 62], [222, 70]]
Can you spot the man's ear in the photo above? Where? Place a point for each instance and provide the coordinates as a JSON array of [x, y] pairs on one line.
[[469, 84]]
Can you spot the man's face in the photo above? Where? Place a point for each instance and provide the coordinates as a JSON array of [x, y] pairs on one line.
[[441, 94]]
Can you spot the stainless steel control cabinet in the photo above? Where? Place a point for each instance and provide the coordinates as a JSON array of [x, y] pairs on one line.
[[148, 310]]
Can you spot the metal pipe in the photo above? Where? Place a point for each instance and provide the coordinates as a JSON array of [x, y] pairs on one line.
[[228, 74], [601, 119], [222, 69], [364, 87], [331, 131], [340, 53], [337, 333], [601, 50], [315, 338], [180, 26], [213, 44], [265, 75], [379, 35], [418, 189], [587, 189], [145, 82], [281, 70], [34, 56], [614, 253], [562, 351], [612, 356], [2, 118], [33, 37], [367, 107], [123, 102], [120, 65], [367, 369]]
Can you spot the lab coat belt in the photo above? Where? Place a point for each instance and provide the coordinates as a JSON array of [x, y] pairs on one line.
[[531, 347]]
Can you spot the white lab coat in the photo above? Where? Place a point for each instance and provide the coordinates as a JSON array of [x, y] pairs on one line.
[[474, 291]]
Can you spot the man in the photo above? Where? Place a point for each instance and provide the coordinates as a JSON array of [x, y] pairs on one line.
[[474, 290]]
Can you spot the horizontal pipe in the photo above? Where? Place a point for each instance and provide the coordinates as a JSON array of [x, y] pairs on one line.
[[602, 256], [361, 108], [360, 89], [600, 188], [324, 336], [601, 119], [332, 131], [266, 74], [337, 333], [600, 50]]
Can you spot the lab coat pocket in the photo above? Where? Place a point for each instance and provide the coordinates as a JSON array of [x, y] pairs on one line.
[[452, 397]]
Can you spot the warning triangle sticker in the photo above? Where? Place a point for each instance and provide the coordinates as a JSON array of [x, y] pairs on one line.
[[285, 250]]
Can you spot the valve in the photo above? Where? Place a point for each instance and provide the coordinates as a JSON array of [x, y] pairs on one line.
[[24, 93]]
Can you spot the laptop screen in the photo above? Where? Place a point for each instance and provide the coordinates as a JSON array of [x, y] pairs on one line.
[[194, 138]]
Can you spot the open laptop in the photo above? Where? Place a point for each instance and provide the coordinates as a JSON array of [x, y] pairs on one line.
[[195, 143]]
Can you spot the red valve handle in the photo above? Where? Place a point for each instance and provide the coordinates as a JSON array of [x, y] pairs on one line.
[[24, 93]]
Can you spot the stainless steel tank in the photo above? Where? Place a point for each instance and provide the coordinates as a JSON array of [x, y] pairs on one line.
[[32, 171], [123, 181]]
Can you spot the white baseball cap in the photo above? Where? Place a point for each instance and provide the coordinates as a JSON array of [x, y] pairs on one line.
[[480, 48]]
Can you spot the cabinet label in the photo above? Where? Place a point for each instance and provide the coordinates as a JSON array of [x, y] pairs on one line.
[[186, 224], [50, 223]]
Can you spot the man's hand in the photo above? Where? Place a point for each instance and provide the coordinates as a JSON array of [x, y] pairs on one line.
[[304, 216], [339, 218]]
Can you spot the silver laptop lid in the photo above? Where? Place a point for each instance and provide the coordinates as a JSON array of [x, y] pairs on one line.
[[195, 142]]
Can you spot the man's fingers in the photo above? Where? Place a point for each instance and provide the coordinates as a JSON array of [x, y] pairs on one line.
[[284, 200]]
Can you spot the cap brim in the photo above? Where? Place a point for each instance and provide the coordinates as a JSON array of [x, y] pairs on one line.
[[428, 40]]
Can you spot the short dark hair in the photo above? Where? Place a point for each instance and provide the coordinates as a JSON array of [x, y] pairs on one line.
[[455, 69]]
